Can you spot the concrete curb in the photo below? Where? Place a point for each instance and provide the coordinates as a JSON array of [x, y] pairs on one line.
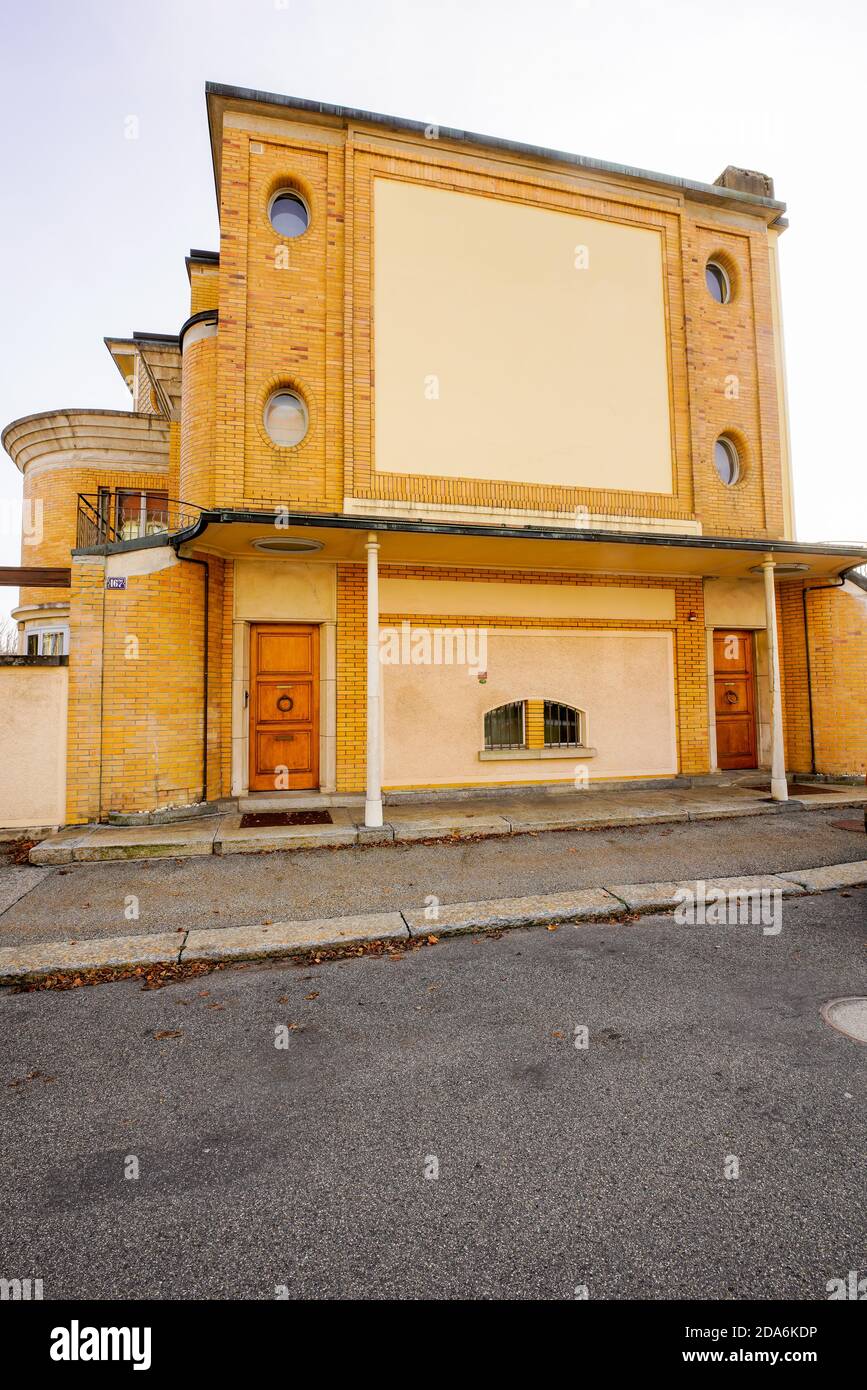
[[585, 905], [285, 938]]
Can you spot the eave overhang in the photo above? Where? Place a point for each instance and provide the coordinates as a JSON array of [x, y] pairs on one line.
[[231, 533]]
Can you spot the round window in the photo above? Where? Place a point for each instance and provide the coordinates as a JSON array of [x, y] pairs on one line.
[[286, 418], [289, 214], [727, 460], [718, 283]]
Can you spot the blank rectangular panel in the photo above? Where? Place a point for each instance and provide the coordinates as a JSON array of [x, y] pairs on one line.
[[292, 750], [284, 652]]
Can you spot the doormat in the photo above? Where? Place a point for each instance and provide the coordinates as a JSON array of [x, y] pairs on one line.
[[859, 826], [286, 818]]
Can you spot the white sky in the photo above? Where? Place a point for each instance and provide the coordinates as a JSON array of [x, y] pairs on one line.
[[95, 226]]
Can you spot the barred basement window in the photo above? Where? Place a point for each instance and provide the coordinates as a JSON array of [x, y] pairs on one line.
[[504, 726], [562, 725]]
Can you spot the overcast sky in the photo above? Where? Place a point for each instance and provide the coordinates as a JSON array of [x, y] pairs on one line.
[[95, 226]]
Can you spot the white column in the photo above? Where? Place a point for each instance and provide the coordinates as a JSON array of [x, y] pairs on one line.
[[779, 789], [373, 802]]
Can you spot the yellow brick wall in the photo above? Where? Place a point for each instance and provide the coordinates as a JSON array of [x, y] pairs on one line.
[[204, 287], [136, 687], [198, 417], [837, 625], [535, 731], [281, 324], [351, 677], [57, 490], [174, 484], [84, 718], [733, 386]]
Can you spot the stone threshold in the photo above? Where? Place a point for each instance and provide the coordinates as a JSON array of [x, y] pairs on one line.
[[274, 939]]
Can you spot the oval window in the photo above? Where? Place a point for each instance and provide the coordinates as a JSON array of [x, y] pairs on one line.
[[289, 214], [286, 418], [727, 460], [718, 283]]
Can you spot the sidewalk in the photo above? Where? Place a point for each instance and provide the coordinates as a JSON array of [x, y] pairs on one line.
[[612, 903], [481, 817]]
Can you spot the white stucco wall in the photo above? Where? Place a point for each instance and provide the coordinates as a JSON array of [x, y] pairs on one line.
[[33, 746]]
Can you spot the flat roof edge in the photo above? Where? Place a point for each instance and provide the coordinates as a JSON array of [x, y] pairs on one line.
[[855, 552], [705, 192]]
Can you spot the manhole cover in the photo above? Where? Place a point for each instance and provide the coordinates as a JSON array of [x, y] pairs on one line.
[[858, 825], [286, 818], [848, 1016]]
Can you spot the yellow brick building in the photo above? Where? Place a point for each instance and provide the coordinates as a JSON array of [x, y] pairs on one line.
[[469, 468]]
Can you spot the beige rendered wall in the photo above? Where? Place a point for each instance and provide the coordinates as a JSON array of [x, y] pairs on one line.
[[623, 681], [500, 599], [497, 357], [33, 746]]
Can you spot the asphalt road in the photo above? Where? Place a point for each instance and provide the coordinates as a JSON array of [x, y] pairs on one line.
[[90, 900], [304, 1167]]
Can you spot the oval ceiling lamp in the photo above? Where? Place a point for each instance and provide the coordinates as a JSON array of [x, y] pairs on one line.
[[286, 545]]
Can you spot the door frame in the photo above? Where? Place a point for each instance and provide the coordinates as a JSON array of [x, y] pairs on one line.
[[752, 635], [316, 704]]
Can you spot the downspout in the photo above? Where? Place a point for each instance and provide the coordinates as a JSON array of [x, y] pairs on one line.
[[188, 560], [809, 589]]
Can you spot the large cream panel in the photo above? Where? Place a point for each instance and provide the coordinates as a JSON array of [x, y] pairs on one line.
[[287, 591], [498, 358]]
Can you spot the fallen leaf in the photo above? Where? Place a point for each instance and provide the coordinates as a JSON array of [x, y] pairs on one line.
[[314, 994], [168, 1033], [553, 926], [432, 940]]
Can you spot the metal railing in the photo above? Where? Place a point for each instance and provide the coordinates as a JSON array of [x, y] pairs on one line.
[[562, 725], [859, 575], [504, 726], [126, 514]]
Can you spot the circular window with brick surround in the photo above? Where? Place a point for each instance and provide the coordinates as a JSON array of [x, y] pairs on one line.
[[727, 460], [288, 213], [718, 282], [286, 418]]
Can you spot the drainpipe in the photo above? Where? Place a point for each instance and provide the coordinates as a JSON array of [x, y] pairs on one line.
[[188, 560], [809, 589], [779, 786], [373, 799]]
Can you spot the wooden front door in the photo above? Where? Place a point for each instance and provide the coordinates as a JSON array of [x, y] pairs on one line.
[[734, 699], [284, 707]]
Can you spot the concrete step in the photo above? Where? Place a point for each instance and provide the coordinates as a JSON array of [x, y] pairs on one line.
[[255, 803]]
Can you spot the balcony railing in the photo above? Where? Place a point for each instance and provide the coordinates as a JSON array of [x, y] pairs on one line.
[[859, 574], [127, 514]]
